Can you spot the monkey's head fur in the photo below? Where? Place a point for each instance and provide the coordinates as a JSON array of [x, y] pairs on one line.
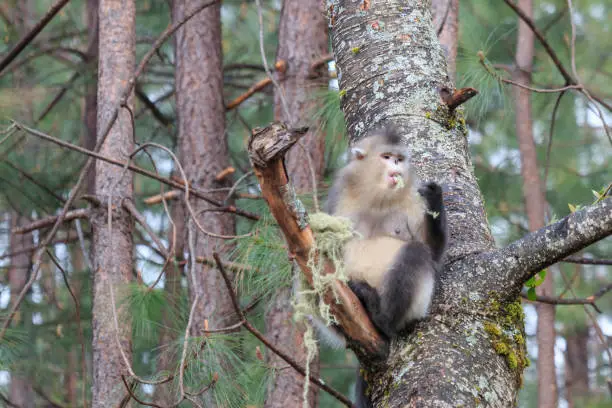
[[379, 173]]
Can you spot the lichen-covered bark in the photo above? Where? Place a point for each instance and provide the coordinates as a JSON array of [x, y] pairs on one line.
[[535, 205], [302, 39], [112, 249], [203, 148]]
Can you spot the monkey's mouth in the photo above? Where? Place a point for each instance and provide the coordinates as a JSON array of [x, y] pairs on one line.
[[396, 181]]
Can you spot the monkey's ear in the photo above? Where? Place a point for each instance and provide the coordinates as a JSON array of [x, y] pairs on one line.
[[357, 153]]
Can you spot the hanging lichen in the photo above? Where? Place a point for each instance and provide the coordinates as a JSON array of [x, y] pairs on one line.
[[331, 234]]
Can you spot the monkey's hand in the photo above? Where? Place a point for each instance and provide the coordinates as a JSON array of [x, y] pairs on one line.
[[366, 294], [432, 193]]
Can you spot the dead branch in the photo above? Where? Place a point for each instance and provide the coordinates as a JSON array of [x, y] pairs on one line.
[[585, 301], [168, 181], [266, 150], [49, 221], [228, 171], [258, 86], [26, 39], [587, 261]]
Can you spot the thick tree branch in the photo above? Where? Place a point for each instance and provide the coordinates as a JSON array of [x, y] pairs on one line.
[[266, 150], [535, 251]]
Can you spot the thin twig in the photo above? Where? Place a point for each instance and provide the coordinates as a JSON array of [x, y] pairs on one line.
[[236, 184], [258, 86], [49, 221], [168, 181], [86, 255], [186, 195], [26, 39], [77, 309], [58, 97], [587, 261], [281, 93], [265, 341], [550, 138], [141, 402], [575, 71]]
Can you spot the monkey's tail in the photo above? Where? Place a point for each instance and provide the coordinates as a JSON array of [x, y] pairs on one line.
[[361, 390]]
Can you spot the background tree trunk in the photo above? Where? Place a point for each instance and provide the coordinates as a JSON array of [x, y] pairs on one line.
[[21, 392], [577, 366], [302, 39], [535, 206], [446, 22], [113, 258], [203, 149]]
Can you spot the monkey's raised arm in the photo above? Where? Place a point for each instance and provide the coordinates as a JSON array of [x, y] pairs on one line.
[[435, 219]]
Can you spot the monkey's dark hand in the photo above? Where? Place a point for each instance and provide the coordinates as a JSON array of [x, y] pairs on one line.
[[432, 193], [366, 294]]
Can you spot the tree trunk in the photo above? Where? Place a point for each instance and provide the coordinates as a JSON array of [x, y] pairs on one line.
[[535, 205], [446, 23], [113, 260], [462, 355], [203, 150], [302, 40], [21, 392], [577, 367]]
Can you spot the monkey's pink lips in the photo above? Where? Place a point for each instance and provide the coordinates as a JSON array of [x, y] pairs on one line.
[[396, 180]]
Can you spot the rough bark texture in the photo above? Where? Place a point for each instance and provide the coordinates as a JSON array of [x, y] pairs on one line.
[[113, 259], [302, 39], [20, 392], [577, 367], [471, 351], [203, 148], [446, 23], [535, 206]]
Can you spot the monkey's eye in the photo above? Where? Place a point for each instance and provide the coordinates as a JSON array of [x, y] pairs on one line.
[[400, 159], [386, 156]]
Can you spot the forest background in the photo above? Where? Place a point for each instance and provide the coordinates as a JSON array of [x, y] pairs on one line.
[[539, 145]]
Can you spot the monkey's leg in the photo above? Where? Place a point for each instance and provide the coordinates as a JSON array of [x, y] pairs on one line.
[[370, 299], [435, 219], [407, 289]]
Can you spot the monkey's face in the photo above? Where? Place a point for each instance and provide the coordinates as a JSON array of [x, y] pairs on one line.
[[382, 170], [394, 170]]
